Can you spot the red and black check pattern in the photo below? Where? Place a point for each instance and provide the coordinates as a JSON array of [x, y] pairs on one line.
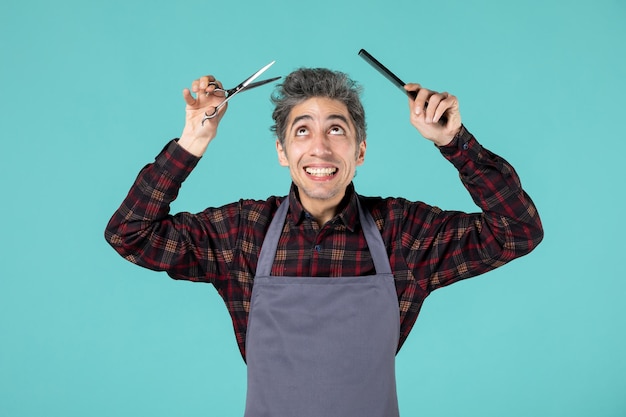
[[428, 248]]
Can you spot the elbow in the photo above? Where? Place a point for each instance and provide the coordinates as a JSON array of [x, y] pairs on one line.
[[533, 229], [536, 236], [513, 239], [114, 236], [527, 239], [114, 240]]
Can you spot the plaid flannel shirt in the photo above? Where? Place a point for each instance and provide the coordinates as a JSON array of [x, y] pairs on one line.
[[428, 247]]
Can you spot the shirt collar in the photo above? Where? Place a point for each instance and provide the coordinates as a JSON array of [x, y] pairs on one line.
[[348, 213]]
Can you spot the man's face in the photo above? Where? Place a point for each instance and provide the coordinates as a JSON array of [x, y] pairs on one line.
[[321, 151]]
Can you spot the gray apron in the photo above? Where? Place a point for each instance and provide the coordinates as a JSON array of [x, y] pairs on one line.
[[322, 346]]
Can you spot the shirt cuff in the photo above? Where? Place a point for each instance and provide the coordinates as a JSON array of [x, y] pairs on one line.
[[175, 161], [459, 142], [463, 147]]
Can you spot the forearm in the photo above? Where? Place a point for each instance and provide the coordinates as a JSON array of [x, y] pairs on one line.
[[508, 213], [452, 245], [142, 230]]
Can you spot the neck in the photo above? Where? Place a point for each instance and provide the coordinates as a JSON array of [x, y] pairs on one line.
[[321, 211]]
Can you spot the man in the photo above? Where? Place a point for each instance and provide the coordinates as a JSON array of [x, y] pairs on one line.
[[324, 286]]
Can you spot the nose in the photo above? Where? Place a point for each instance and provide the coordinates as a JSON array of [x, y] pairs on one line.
[[320, 145]]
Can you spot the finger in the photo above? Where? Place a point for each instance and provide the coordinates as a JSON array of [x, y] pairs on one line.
[[431, 106], [205, 80], [201, 83], [447, 105], [421, 100], [411, 90], [213, 85], [412, 87]]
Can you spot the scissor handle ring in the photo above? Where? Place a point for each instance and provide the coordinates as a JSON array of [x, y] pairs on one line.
[[208, 116], [217, 88]]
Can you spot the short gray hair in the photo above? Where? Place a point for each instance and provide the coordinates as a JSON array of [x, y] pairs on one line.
[[305, 83]]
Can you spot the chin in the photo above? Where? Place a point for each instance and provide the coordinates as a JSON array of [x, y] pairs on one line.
[[320, 194]]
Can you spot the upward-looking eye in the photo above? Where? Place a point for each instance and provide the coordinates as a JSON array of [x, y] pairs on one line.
[[302, 131], [337, 130]]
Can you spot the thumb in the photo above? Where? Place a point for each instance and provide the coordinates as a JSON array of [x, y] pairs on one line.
[[188, 97]]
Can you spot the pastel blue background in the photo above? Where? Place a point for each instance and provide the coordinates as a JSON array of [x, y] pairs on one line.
[[91, 91]]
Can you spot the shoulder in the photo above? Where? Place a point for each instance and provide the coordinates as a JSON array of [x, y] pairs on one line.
[[388, 206], [258, 211], [398, 211], [247, 210]]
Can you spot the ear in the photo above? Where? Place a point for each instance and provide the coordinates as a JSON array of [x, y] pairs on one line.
[[360, 156], [282, 155]]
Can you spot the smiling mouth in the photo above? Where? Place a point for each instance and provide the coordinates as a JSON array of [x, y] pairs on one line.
[[321, 172]]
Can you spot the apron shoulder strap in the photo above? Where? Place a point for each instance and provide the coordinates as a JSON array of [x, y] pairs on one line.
[[270, 243], [374, 240]]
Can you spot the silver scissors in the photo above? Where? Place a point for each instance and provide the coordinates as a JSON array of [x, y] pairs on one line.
[[247, 84]]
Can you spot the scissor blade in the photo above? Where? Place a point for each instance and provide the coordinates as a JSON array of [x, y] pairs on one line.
[[260, 83], [256, 74]]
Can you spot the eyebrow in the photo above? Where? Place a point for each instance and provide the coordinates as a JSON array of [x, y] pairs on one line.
[[330, 117]]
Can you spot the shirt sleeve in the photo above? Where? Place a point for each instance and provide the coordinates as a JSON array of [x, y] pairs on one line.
[[143, 231], [448, 246]]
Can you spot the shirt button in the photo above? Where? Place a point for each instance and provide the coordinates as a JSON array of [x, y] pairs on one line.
[[465, 146], [318, 248]]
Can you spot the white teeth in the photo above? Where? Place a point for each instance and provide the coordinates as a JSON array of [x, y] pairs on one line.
[[321, 172]]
